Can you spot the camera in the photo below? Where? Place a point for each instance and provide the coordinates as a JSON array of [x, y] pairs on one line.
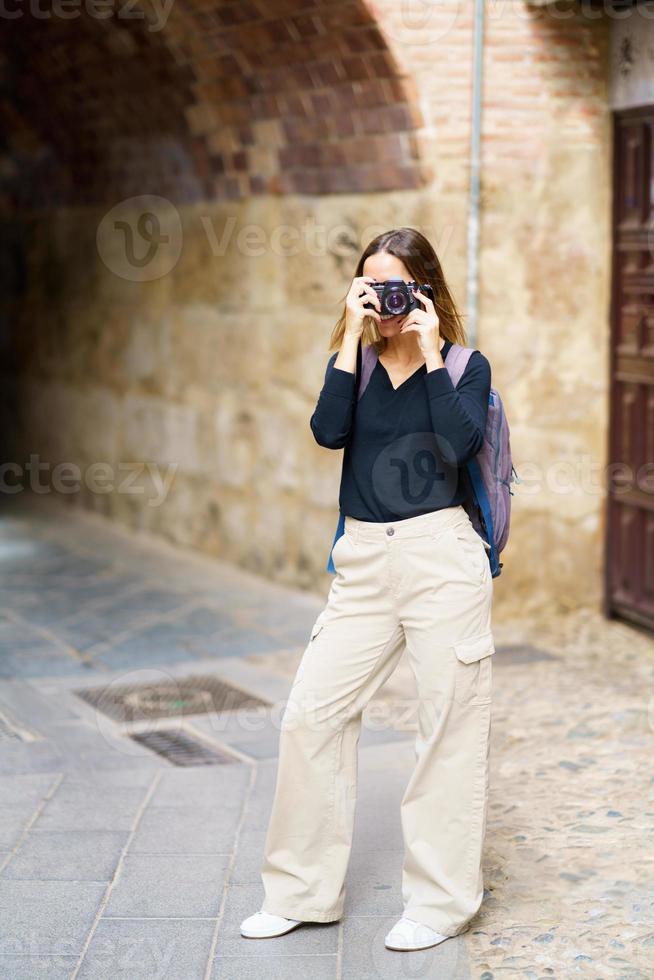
[[396, 298]]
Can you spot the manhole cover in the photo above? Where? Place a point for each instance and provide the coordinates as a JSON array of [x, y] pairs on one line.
[[168, 699], [521, 653], [181, 749]]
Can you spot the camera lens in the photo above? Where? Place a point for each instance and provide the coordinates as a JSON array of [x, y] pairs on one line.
[[395, 300]]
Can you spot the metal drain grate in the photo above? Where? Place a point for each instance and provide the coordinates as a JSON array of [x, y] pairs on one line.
[[181, 749], [168, 699]]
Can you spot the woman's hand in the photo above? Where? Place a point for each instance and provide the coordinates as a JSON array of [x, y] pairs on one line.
[[425, 323], [360, 292]]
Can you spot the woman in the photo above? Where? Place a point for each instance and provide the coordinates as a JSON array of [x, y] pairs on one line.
[[412, 573]]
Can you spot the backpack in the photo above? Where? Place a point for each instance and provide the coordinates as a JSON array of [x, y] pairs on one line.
[[489, 473]]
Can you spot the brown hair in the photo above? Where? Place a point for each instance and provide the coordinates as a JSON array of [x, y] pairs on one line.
[[422, 264]]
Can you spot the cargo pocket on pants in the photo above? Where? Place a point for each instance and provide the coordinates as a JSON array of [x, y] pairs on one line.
[[473, 668]]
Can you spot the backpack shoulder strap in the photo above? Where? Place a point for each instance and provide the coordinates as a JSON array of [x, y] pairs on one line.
[[457, 360], [367, 358]]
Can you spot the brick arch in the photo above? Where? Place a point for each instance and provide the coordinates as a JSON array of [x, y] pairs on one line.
[[227, 100], [307, 98]]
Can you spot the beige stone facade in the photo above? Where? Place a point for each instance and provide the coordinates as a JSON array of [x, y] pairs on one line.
[[192, 377]]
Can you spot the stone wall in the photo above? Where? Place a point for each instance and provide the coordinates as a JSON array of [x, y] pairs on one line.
[[632, 43], [546, 290], [205, 363]]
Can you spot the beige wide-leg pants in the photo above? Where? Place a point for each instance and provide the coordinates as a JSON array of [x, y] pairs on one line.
[[422, 584]]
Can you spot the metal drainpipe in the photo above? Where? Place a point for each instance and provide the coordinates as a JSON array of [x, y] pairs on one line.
[[475, 171]]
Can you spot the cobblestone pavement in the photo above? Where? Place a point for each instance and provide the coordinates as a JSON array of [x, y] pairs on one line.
[[114, 862]]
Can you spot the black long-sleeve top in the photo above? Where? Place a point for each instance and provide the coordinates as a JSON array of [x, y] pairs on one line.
[[405, 447]]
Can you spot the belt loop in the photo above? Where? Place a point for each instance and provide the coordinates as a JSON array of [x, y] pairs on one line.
[[353, 527]]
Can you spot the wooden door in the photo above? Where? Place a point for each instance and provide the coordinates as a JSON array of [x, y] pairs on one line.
[[629, 587]]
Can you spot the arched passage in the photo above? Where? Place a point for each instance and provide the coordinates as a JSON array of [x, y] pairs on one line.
[[210, 101]]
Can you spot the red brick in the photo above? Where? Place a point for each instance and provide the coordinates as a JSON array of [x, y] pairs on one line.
[[321, 103], [279, 31], [292, 105], [368, 93], [217, 163], [363, 39], [239, 160], [308, 26], [338, 16], [355, 67], [246, 135], [310, 182], [397, 118], [258, 184], [326, 73], [387, 148], [303, 130], [235, 113], [301, 155], [382, 65], [345, 125], [255, 40], [227, 188], [263, 107], [299, 76], [333, 155]]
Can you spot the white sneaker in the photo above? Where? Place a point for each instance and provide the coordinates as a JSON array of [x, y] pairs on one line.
[[408, 934], [264, 925]]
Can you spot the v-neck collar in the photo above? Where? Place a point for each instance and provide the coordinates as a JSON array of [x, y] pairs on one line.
[[423, 367], [406, 380]]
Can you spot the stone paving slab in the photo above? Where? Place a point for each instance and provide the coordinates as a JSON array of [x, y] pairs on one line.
[[42, 756], [247, 861], [275, 967], [187, 830], [169, 886], [148, 949], [67, 855], [88, 804], [28, 967], [221, 787], [34, 705], [151, 647], [37, 660], [46, 917]]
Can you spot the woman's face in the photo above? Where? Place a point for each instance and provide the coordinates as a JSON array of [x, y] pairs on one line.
[[383, 266]]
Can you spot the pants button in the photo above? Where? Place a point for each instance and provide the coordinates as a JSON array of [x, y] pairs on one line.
[[390, 530]]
